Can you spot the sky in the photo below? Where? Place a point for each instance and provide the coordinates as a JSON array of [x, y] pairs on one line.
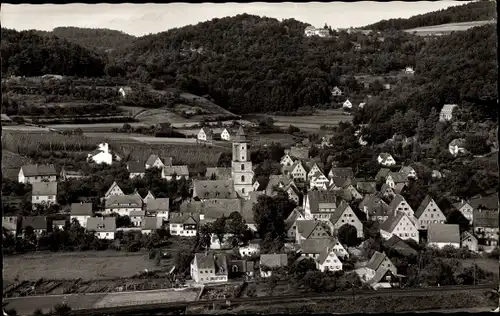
[[142, 19]]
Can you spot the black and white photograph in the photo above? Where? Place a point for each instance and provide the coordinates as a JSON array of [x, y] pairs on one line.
[[249, 158]]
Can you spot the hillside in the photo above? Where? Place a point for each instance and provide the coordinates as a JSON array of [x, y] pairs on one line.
[[99, 40], [446, 29], [474, 11], [251, 64], [29, 54]]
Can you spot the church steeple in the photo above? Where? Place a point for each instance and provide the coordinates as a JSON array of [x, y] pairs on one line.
[[242, 171]]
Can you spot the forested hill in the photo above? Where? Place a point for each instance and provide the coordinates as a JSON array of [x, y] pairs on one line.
[[474, 11], [29, 54], [100, 40], [253, 64]]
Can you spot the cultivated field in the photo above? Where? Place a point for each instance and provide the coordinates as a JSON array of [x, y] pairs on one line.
[[490, 265], [27, 305], [447, 28], [87, 265], [147, 297], [314, 122], [266, 139], [25, 128]]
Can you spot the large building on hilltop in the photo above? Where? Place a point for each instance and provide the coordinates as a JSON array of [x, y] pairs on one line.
[[242, 172]]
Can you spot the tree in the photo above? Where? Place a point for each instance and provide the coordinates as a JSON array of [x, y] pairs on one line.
[[477, 144], [456, 217], [272, 282], [348, 235], [62, 310]]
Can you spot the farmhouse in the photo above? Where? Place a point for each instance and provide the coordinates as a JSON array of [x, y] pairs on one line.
[[408, 171], [328, 260], [81, 212], [287, 160], [469, 241], [148, 198], [102, 155], [379, 261], [336, 91], [485, 225], [344, 215], [103, 227], [37, 173], [312, 31], [399, 224], [184, 225], [159, 208], [319, 181], [209, 268], [269, 262], [314, 167], [154, 161], [375, 208], [312, 248], [387, 191], [347, 104], [457, 146], [427, 213], [137, 217], [37, 223], [114, 190], [398, 245], [311, 229], [44, 193], [466, 210], [440, 235], [136, 169], [399, 204], [66, 174], [386, 159], [213, 189], [169, 172], [123, 204], [446, 113], [396, 181], [205, 134], [320, 205]]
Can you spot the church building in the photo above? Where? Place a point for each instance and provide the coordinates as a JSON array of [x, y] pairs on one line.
[[242, 172]]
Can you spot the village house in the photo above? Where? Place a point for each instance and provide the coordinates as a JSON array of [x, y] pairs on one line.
[[446, 113], [114, 190], [314, 167], [124, 91], [43, 193], [148, 198], [345, 215], [299, 152], [428, 213], [137, 217], [377, 262], [457, 146], [401, 225], [384, 278], [436, 174], [102, 155], [169, 172], [287, 159], [9, 223], [103, 227], [466, 209], [184, 225], [150, 224], [338, 184], [251, 249], [408, 171], [361, 105], [336, 172], [269, 262], [409, 70], [154, 161], [159, 208], [37, 173], [318, 181], [347, 104], [37, 223], [398, 245], [312, 248], [225, 135], [218, 173], [205, 135], [386, 159], [291, 220], [312, 31], [66, 174], [350, 193], [336, 91], [320, 205], [440, 235], [209, 267], [387, 191], [328, 260], [469, 241], [213, 189], [298, 171], [123, 205], [382, 174], [397, 181], [81, 212], [399, 204], [136, 169], [485, 224], [375, 208]]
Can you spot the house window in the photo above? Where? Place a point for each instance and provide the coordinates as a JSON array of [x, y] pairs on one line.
[[242, 178], [242, 166]]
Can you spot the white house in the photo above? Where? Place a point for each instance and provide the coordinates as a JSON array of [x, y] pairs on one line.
[[457, 146], [319, 181], [466, 209], [320, 205], [440, 235], [159, 207], [298, 171], [469, 241], [37, 173], [345, 215], [154, 161], [428, 213], [347, 104], [113, 190], [361, 105], [396, 179], [209, 268], [253, 248], [328, 261], [287, 160], [377, 262], [399, 204], [386, 159], [312, 31], [137, 217], [81, 212], [124, 91], [225, 135], [446, 113], [44, 192], [103, 227], [409, 70], [336, 91], [168, 172], [102, 155], [184, 225], [399, 224], [205, 134], [148, 198], [123, 204]]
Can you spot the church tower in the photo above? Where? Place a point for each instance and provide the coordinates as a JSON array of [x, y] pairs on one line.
[[242, 172]]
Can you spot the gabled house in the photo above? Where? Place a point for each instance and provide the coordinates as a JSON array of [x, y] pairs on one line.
[[251, 249], [150, 224], [440, 235], [319, 181], [218, 173], [338, 184], [148, 198], [347, 104], [314, 167], [213, 189], [387, 191], [169, 172], [37, 173], [205, 134], [401, 225], [446, 113], [375, 208], [43, 193], [469, 241], [298, 171], [311, 229], [159, 208], [103, 227], [137, 217], [114, 190], [336, 91], [67, 174], [102, 155], [408, 171], [377, 262], [209, 267], [385, 159], [485, 224], [328, 260], [320, 205], [291, 220], [312, 248], [457, 146], [382, 174], [397, 181], [81, 212], [287, 160], [123, 204], [184, 225], [409, 70], [37, 223], [124, 91], [154, 161], [399, 204], [398, 245], [269, 262], [383, 278], [466, 209], [58, 224], [225, 135], [136, 169], [428, 212], [361, 105], [350, 193], [345, 215]]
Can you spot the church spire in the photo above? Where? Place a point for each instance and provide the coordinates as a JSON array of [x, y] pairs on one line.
[[240, 135]]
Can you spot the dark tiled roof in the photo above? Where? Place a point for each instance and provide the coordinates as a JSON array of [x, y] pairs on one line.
[[177, 170], [101, 224], [39, 170], [220, 189], [376, 260], [366, 186], [316, 198], [160, 204], [290, 220], [212, 208], [36, 222], [151, 160], [44, 188], [184, 219], [382, 173], [124, 201], [299, 152], [338, 212], [487, 202], [316, 245], [136, 167], [422, 206], [485, 218], [406, 170], [398, 198], [341, 172], [398, 177], [81, 209], [274, 260], [437, 232], [220, 173], [390, 223], [112, 187], [150, 223]]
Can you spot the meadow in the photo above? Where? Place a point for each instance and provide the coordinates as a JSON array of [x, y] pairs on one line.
[[490, 265], [314, 122], [447, 28], [11, 163]]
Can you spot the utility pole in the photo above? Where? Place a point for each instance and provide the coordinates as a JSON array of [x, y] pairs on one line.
[[474, 265]]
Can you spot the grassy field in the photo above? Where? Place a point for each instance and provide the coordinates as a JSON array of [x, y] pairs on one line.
[[149, 297], [447, 28], [11, 163], [314, 122], [490, 265], [85, 265], [27, 305]]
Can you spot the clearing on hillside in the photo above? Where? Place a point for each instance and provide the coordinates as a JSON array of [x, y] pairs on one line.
[[11, 163], [447, 28]]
